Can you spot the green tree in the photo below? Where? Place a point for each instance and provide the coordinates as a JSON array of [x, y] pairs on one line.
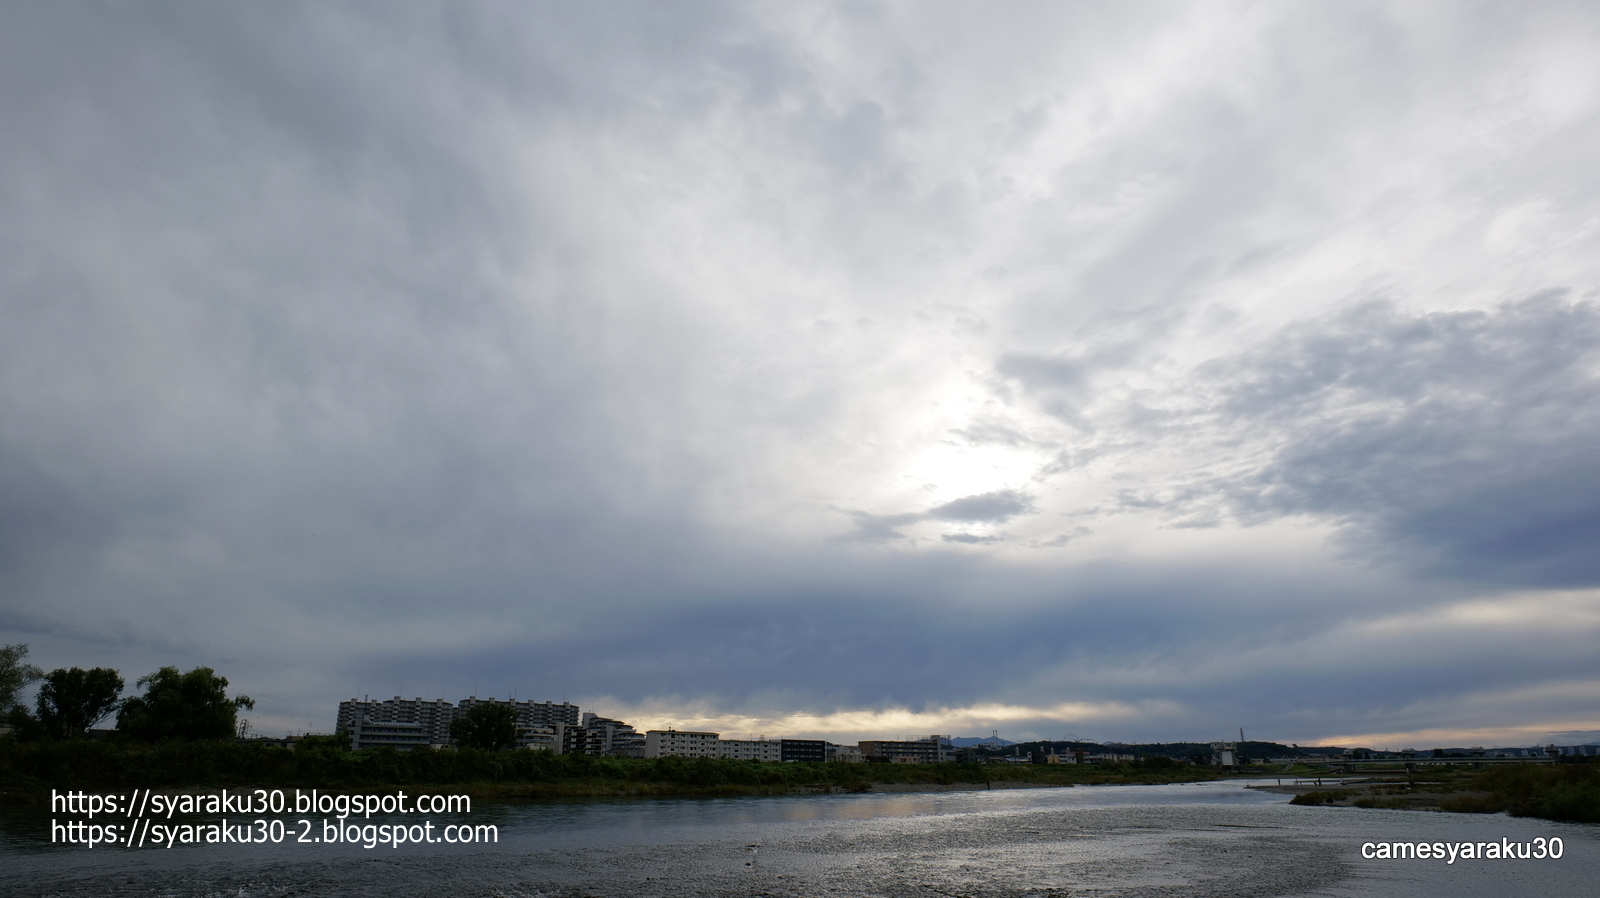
[[15, 675], [73, 700], [490, 726], [193, 705]]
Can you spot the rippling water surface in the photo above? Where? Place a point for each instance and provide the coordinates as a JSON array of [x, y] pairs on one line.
[[1204, 839]]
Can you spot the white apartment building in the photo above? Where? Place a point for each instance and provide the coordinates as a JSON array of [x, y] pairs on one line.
[[751, 749], [432, 715], [529, 713], [681, 744], [436, 715], [610, 738], [539, 738], [374, 734]]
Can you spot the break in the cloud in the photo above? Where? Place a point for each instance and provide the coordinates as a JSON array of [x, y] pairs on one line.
[[993, 508], [1132, 371]]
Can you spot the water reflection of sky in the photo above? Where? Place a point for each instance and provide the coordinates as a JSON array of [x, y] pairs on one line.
[[1117, 837], [534, 824]]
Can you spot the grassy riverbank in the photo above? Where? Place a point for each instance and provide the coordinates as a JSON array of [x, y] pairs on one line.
[[33, 769], [1552, 792]]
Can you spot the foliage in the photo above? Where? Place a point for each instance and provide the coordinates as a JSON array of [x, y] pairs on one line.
[[192, 705], [1555, 792], [15, 675], [338, 742], [73, 699], [1324, 796], [489, 726], [24, 726], [106, 765]]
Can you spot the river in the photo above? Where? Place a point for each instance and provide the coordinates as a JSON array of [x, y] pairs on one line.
[[1200, 839]]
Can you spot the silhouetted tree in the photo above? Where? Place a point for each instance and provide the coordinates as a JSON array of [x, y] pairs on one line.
[[193, 705], [489, 726], [73, 699], [15, 675]]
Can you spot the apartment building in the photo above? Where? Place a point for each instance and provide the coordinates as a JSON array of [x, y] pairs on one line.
[[813, 751], [681, 744], [404, 736], [529, 713], [611, 738], [930, 750], [433, 716], [751, 749]]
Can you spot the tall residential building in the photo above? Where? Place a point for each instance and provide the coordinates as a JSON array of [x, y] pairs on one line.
[[397, 735], [433, 716], [553, 725], [530, 713]]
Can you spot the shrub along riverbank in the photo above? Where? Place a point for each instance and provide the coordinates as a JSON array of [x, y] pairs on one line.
[[1551, 792], [30, 770], [1554, 792]]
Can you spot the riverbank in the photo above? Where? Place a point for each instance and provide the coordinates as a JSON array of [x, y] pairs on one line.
[[29, 771], [1569, 792], [1213, 840]]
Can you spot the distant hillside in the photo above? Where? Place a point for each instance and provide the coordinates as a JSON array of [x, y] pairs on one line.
[[965, 741]]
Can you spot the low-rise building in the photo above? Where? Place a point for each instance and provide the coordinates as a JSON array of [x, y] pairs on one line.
[[750, 749], [671, 743], [813, 751], [931, 750]]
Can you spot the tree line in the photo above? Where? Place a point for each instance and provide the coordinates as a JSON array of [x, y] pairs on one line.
[[71, 700]]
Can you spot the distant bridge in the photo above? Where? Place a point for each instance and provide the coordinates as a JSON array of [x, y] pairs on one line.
[[1413, 763]]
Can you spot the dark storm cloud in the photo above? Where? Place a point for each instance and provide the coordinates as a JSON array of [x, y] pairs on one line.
[[1468, 442]]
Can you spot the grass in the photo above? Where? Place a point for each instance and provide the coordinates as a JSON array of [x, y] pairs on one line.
[[1553, 792]]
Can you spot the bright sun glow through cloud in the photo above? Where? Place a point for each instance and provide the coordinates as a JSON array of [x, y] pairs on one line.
[[1149, 371]]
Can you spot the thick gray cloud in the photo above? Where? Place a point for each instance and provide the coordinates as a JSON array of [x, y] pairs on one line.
[[1148, 371], [1468, 441]]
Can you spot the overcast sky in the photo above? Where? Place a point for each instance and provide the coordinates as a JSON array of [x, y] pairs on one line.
[[1134, 371]]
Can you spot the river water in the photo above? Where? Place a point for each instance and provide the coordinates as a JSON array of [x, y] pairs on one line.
[[1201, 839]]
